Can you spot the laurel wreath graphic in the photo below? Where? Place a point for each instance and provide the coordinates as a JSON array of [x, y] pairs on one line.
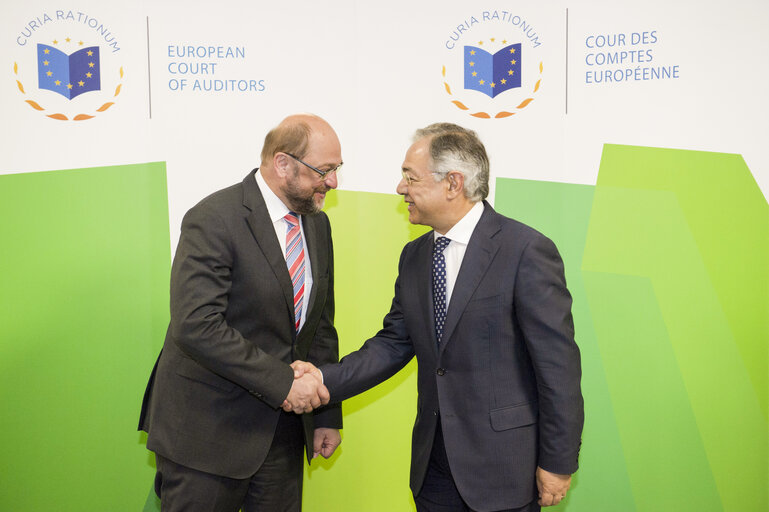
[[498, 115], [62, 117]]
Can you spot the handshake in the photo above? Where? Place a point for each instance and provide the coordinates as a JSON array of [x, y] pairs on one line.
[[307, 391]]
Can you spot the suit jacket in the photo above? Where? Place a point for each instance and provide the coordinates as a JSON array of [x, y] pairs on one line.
[[505, 382], [212, 402]]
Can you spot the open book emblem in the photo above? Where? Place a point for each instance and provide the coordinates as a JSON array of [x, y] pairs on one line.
[[493, 74], [68, 75]]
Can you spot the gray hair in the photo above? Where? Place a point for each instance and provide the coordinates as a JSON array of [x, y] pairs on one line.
[[453, 148]]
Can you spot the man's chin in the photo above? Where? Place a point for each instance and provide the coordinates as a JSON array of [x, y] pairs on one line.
[[319, 200], [306, 205]]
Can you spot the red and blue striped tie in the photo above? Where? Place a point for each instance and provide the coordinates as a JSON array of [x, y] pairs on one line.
[[295, 262]]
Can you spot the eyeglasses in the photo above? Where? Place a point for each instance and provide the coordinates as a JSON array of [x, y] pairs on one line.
[[410, 179], [322, 173]]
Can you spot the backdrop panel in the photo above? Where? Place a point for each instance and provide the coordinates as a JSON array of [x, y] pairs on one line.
[[84, 302], [635, 139]]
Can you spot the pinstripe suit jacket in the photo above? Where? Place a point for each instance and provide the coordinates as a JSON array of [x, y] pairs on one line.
[[212, 402]]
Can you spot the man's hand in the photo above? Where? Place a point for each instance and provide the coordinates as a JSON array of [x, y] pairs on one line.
[[302, 367], [325, 442], [552, 487], [307, 391]]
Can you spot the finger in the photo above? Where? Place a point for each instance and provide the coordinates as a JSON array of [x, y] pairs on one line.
[[333, 443], [315, 402], [323, 394], [317, 444], [286, 406]]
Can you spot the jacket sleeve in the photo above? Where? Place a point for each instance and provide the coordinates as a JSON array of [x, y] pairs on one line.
[[543, 308], [377, 360], [201, 282]]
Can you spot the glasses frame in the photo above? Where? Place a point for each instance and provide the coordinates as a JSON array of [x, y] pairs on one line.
[[410, 179], [322, 173]]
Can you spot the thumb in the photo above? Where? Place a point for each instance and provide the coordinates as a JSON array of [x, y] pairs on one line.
[[299, 368]]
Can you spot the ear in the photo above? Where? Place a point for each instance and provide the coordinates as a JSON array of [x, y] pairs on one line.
[[456, 181], [282, 164]]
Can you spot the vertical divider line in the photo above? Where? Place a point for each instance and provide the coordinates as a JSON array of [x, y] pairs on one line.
[[149, 77], [567, 61]]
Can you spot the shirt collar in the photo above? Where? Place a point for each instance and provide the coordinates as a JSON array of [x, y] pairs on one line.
[[463, 230], [275, 207]]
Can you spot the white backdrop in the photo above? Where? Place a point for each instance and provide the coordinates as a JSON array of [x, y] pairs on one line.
[[375, 72]]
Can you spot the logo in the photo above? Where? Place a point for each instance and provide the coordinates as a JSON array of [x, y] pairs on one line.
[[67, 65], [494, 65]]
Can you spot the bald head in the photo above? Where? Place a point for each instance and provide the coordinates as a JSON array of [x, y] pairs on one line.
[[292, 135]]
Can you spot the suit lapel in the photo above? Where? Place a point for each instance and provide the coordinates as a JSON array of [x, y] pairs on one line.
[[424, 286], [480, 251], [261, 226]]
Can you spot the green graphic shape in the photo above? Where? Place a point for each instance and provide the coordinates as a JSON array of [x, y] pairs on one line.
[[665, 259], [83, 308], [370, 470], [562, 212], [675, 258]]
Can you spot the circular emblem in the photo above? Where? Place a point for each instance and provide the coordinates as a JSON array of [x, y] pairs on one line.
[[67, 66], [495, 68]]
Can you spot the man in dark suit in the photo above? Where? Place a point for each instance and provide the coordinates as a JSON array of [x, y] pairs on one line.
[[239, 316], [482, 302]]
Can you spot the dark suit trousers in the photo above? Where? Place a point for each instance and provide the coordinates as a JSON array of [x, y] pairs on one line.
[[439, 493], [275, 487]]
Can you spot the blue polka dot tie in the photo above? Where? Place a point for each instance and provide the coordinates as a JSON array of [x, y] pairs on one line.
[[439, 285]]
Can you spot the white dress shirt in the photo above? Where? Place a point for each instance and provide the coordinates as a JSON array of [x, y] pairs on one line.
[[277, 211], [454, 253]]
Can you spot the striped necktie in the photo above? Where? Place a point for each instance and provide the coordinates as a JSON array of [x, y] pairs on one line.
[[439, 285], [295, 262]]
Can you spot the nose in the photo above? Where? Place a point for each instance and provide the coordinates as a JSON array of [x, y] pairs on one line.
[[402, 188], [331, 180]]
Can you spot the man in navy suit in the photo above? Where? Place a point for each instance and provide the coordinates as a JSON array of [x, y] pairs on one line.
[[481, 301]]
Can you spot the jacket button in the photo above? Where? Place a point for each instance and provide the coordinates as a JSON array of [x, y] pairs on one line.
[[441, 372]]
